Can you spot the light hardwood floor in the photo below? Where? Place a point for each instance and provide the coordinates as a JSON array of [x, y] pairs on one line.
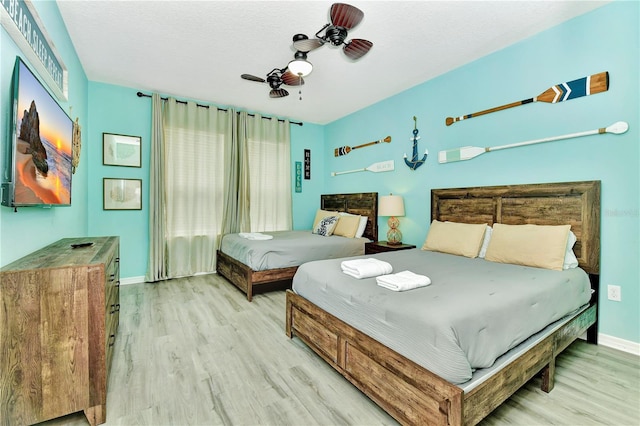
[[193, 351]]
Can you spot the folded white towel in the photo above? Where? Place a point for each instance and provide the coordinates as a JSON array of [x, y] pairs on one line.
[[255, 236], [365, 268], [405, 280]]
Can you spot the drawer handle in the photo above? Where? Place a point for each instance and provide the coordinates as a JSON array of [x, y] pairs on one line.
[[118, 283], [112, 277], [115, 308], [112, 339]]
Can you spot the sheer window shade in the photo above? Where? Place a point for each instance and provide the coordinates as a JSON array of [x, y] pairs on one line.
[[194, 141], [269, 173]]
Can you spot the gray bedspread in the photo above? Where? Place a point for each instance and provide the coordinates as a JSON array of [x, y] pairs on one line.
[[289, 248], [473, 312]]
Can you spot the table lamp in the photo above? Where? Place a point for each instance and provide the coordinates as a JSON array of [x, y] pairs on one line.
[[393, 206]]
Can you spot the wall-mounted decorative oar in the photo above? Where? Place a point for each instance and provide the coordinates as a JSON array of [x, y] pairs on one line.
[[344, 150], [383, 166], [469, 152], [584, 86]]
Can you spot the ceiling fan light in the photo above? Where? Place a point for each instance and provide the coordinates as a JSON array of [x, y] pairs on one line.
[[300, 67]]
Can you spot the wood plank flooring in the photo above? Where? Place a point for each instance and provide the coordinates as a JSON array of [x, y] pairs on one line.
[[193, 351]]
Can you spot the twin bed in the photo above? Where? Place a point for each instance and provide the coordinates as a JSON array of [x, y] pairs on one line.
[[250, 263], [441, 354]]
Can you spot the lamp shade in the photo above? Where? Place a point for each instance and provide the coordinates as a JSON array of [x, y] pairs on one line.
[[391, 205], [300, 67]]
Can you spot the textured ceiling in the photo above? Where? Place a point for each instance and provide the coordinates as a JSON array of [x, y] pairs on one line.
[[199, 49]]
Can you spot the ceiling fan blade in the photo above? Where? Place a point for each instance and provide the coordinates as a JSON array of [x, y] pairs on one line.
[[291, 79], [253, 78], [357, 48], [278, 93], [307, 45], [345, 15]]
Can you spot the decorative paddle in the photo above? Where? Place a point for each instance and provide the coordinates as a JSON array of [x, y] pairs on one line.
[[584, 86], [344, 150], [469, 152], [383, 166]]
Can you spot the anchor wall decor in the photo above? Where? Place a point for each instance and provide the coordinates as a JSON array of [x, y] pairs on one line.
[[415, 163]]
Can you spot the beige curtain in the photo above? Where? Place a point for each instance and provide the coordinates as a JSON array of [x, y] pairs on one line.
[[157, 264], [195, 176], [236, 199], [269, 147]]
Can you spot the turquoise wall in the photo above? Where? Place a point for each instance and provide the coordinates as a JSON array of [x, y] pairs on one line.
[[305, 203], [606, 39], [31, 228], [116, 109]]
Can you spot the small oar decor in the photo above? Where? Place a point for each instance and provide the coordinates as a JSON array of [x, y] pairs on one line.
[[469, 152], [344, 150], [584, 86], [383, 166]]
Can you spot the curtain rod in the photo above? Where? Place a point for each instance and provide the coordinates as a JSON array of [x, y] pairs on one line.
[[141, 95]]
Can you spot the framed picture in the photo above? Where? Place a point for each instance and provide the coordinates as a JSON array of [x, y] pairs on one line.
[[121, 150], [121, 194]]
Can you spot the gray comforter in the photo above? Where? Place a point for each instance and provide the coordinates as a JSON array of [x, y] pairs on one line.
[[289, 248], [473, 312]]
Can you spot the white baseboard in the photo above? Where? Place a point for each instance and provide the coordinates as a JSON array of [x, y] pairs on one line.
[[620, 344], [132, 280]]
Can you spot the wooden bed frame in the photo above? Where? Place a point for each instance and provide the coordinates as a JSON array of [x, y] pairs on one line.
[[245, 278], [413, 394]]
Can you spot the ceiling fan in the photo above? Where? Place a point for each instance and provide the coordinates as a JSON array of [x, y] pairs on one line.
[[343, 18], [276, 78]]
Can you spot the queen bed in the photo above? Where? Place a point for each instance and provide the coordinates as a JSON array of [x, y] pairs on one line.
[[459, 372], [249, 263]]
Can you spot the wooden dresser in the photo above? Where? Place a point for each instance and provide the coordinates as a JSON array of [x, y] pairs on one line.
[[59, 309]]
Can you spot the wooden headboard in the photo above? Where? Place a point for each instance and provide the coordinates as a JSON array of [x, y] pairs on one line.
[[362, 203], [573, 203]]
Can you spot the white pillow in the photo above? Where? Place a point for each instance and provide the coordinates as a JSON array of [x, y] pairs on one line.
[[570, 260], [326, 226], [485, 242], [362, 226]]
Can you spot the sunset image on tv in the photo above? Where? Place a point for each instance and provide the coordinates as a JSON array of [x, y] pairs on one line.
[[43, 145]]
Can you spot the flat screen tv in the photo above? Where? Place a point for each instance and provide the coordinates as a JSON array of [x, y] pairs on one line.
[[38, 151]]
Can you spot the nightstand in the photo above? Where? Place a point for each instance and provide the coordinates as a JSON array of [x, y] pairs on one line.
[[383, 246]]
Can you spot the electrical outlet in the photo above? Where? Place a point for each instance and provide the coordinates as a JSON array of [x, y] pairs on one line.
[[613, 293]]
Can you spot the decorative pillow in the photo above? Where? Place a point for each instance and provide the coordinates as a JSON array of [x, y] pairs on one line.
[[485, 242], [362, 226], [541, 246], [462, 239], [570, 260], [326, 226], [347, 225], [321, 214]]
